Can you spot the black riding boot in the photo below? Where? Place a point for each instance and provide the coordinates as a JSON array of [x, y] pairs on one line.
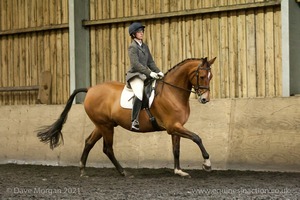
[[137, 105]]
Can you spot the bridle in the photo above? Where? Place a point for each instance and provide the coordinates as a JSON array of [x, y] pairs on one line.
[[198, 87], [201, 87]]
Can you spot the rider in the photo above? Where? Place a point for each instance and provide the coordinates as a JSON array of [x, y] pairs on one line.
[[142, 67]]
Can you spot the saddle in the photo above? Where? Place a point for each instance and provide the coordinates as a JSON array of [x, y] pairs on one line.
[[127, 97]]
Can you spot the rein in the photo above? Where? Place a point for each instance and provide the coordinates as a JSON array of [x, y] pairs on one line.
[[196, 88], [175, 86]]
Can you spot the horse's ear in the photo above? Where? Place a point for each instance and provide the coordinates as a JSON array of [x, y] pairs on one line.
[[212, 61], [205, 59]]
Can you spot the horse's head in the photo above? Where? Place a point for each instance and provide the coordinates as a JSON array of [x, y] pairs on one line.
[[201, 79]]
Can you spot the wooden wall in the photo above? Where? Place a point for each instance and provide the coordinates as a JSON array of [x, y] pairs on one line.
[[33, 38], [244, 35]]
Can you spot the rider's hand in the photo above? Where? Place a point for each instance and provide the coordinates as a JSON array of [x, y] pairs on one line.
[[160, 74], [154, 75]]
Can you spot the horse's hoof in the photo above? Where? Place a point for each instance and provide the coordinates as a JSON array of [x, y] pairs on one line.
[[206, 168], [181, 173], [187, 176], [130, 176], [127, 174], [83, 174]]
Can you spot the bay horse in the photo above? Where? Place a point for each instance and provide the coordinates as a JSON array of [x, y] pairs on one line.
[[170, 108]]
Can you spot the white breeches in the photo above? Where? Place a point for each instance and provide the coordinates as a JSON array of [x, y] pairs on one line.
[[137, 86]]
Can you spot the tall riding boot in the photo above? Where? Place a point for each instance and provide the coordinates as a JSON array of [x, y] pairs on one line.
[[137, 105]]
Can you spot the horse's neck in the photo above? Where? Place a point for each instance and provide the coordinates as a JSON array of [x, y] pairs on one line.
[[181, 86], [180, 77]]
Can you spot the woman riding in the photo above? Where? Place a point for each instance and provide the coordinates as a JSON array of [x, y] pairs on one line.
[[142, 67]]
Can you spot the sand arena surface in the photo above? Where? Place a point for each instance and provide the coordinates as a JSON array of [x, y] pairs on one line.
[[48, 182]]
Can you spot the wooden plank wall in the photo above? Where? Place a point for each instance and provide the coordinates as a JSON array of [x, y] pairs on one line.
[[33, 38], [246, 42]]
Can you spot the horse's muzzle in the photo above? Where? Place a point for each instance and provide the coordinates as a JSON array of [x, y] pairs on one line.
[[203, 100]]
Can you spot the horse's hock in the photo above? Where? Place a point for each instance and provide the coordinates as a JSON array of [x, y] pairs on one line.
[[244, 134]]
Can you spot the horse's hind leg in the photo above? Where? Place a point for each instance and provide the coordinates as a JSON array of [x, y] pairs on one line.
[[108, 137], [89, 144]]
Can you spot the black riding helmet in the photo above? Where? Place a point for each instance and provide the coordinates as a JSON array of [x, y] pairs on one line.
[[134, 27]]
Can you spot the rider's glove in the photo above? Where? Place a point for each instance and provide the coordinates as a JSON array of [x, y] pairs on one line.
[[154, 75], [160, 74]]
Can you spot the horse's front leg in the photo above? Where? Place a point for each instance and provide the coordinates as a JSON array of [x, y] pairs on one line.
[[176, 153], [179, 130]]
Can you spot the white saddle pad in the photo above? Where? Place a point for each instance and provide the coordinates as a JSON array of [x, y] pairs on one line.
[[127, 95]]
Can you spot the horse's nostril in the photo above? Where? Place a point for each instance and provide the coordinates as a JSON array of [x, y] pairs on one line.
[[202, 100]]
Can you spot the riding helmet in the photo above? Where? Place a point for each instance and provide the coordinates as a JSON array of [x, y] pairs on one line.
[[134, 27]]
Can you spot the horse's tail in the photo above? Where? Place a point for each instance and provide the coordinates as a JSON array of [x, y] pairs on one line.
[[52, 134]]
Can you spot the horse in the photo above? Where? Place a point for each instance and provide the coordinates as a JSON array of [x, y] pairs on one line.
[[170, 108]]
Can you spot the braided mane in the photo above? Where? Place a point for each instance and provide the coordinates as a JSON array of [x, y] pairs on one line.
[[179, 64]]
